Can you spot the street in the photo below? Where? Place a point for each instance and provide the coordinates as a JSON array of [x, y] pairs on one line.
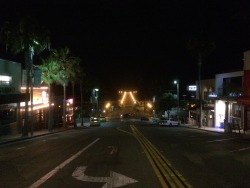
[[128, 153]]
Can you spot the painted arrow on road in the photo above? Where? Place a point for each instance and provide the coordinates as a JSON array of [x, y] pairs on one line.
[[115, 179]]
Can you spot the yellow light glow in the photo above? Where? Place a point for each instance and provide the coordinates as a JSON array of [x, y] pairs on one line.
[[37, 107], [132, 96], [38, 88], [123, 97], [107, 105], [149, 105]]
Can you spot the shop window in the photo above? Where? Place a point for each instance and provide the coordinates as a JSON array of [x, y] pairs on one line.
[[5, 80]]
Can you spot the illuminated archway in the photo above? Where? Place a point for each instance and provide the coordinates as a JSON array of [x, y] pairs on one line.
[[128, 98]]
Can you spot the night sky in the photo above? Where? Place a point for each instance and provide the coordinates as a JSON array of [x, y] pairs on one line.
[[142, 44]]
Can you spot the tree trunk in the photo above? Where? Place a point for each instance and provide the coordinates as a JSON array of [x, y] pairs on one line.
[[199, 90], [64, 105], [81, 90], [50, 119], [74, 115], [26, 115]]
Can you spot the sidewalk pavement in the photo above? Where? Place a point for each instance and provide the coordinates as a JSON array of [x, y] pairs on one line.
[[218, 130], [18, 137]]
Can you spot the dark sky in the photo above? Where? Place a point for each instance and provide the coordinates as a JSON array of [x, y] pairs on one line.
[[139, 44]]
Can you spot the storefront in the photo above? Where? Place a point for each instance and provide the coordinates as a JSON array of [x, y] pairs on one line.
[[244, 101], [227, 110]]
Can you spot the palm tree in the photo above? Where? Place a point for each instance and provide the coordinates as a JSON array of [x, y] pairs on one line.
[[75, 76], [199, 48], [80, 78], [68, 65], [50, 74], [29, 37]]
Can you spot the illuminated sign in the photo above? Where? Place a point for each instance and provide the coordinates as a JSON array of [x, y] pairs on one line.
[[5, 80], [212, 94], [192, 88]]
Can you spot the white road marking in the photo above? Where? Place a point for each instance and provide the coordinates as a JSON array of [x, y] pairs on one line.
[[221, 140], [242, 149], [55, 170], [113, 150], [115, 179], [20, 148]]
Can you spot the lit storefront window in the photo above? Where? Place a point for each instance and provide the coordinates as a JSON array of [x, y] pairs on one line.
[[5, 80], [220, 113], [40, 97]]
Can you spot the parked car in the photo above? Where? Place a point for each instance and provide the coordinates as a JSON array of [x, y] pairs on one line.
[[169, 122], [125, 115], [94, 121], [103, 119]]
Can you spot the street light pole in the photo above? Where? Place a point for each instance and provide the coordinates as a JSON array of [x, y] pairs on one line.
[[177, 87], [96, 100], [199, 90]]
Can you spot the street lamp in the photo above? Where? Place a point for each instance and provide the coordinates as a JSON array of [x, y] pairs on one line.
[[177, 85], [95, 92]]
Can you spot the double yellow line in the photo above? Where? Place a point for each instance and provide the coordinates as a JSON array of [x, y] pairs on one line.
[[168, 176]]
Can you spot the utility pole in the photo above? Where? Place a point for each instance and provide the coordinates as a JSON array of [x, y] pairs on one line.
[[199, 89], [177, 90]]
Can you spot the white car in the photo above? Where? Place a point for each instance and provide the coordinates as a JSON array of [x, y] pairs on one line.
[[94, 121], [169, 122]]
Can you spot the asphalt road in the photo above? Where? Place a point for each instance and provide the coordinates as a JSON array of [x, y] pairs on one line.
[[128, 153]]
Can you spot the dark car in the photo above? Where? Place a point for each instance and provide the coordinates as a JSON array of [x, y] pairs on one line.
[[125, 115]]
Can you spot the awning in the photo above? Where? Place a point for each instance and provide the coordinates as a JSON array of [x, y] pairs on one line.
[[243, 100]]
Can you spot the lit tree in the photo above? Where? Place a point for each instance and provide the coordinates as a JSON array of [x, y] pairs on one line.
[[50, 74], [68, 65]]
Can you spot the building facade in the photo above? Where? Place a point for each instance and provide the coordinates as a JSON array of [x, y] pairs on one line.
[[10, 95], [244, 100], [13, 96]]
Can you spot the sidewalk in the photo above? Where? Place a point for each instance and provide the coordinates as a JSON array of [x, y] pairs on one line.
[[213, 129], [218, 130], [18, 137]]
